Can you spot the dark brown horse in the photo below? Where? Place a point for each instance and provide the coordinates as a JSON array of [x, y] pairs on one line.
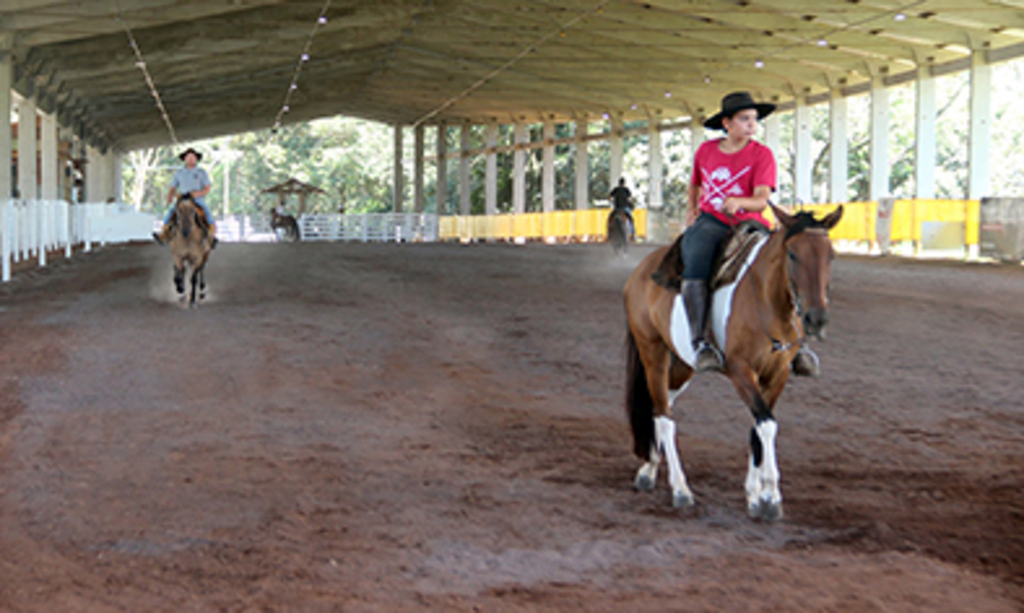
[[618, 231], [287, 224], [190, 245], [759, 321]]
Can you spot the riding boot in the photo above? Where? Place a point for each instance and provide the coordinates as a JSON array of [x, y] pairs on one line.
[[164, 235], [806, 363], [212, 235], [695, 297]]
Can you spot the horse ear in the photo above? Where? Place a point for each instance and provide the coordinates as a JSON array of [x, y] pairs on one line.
[[832, 218], [784, 218]]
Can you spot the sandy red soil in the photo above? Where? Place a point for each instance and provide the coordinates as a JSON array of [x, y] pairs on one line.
[[440, 427]]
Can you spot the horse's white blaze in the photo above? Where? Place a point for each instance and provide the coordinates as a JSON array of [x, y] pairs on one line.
[[721, 308], [763, 481], [665, 435]]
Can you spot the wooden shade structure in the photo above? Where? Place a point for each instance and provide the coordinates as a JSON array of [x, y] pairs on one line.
[[290, 187]]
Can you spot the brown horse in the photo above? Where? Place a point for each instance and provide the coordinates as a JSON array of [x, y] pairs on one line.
[[759, 321], [190, 245]]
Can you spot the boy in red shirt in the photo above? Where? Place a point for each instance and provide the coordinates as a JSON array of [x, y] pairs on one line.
[[733, 178]]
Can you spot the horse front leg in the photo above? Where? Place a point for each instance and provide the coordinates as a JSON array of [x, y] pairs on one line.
[[764, 498], [194, 282], [202, 282], [179, 279]]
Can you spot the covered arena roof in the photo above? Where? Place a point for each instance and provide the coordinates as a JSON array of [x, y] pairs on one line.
[[225, 66]]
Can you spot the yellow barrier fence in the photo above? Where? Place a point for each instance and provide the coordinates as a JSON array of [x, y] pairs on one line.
[[590, 224], [859, 222]]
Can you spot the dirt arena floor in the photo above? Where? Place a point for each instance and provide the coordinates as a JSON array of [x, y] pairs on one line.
[[440, 428]]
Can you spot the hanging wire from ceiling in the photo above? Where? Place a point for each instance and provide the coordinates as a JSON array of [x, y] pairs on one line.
[[293, 86], [140, 63], [560, 31]]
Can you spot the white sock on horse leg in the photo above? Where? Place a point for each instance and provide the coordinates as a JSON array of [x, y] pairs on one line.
[[665, 434], [762, 483], [647, 476]]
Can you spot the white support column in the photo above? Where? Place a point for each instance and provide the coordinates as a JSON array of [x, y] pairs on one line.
[[491, 178], [548, 178], [27, 150], [49, 159], [772, 134], [117, 187], [6, 80], [582, 165], [838, 160], [417, 174], [615, 153], [654, 170], [92, 174], [802, 184], [464, 184], [879, 146], [925, 114], [398, 190], [979, 174], [442, 169], [520, 137]]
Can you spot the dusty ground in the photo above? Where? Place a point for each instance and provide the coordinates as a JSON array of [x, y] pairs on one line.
[[378, 428]]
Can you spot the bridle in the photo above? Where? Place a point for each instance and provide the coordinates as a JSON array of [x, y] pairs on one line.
[[794, 299]]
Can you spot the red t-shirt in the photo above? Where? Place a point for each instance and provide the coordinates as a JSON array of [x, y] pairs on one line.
[[721, 175]]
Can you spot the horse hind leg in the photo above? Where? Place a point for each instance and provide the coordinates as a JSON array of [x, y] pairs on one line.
[[647, 476], [665, 432]]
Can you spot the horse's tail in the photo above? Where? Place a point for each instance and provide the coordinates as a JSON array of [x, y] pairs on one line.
[[639, 404]]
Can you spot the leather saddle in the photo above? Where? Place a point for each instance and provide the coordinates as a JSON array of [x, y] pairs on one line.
[[729, 259]]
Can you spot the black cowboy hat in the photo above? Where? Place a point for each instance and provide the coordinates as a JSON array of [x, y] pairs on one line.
[[734, 103], [199, 156]]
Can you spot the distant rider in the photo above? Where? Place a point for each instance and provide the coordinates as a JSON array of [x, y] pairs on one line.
[[622, 200], [189, 180]]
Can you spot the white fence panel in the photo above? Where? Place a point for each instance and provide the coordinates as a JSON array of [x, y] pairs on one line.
[[377, 227], [33, 228]]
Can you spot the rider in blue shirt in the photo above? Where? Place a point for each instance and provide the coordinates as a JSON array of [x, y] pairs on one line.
[[188, 180]]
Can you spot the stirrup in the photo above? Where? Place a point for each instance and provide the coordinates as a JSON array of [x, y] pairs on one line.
[[156, 237], [708, 358]]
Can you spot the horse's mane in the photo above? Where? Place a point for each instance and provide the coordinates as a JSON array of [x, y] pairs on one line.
[[803, 220]]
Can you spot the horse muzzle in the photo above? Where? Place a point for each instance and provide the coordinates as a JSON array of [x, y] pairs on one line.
[[815, 322]]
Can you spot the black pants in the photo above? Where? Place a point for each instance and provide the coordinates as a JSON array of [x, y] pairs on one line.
[[700, 243]]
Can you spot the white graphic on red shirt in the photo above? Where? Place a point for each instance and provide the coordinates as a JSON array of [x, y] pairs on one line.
[[720, 184]]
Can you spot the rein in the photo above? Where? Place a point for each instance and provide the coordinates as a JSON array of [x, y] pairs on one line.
[[794, 298]]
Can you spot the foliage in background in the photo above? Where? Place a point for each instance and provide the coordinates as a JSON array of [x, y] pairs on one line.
[[352, 160]]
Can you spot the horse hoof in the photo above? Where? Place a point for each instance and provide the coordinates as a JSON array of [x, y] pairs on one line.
[[766, 511], [643, 483], [683, 500]]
